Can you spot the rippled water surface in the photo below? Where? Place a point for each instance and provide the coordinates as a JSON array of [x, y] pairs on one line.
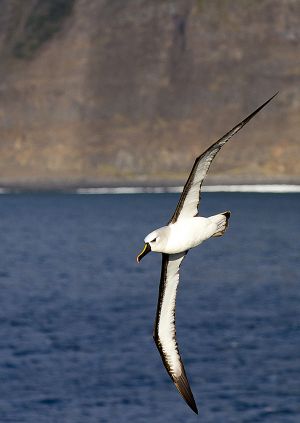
[[76, 311]]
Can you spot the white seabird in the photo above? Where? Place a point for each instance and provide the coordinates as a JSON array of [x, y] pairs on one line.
[[185, 230]]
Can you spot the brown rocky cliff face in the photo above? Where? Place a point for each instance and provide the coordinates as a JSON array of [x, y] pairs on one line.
[[99, 91]]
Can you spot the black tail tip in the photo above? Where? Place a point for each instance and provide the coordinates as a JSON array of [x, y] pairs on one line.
[[227, 214]]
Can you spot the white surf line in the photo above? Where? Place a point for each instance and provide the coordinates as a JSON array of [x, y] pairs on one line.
[[128, 190], [121, 190], [267, 188]]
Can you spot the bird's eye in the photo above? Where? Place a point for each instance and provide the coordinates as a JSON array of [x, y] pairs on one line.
[[154, 240]]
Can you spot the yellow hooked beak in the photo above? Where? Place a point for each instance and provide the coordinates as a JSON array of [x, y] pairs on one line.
[[145, 251]]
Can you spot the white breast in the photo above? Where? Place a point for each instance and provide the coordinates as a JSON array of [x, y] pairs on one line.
[[188, 233]]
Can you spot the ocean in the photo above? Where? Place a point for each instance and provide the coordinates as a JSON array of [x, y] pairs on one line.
[[77, 311]]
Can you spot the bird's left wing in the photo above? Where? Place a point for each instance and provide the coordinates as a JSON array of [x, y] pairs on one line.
[[164, 329], [190, 197]]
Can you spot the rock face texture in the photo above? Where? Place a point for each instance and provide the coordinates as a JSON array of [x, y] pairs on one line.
[[111, 91]]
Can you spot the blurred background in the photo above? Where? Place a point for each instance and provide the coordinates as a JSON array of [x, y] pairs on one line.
[[112, 93], [97, 92]]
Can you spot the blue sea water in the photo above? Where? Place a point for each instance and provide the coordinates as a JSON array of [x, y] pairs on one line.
[[77, 312]]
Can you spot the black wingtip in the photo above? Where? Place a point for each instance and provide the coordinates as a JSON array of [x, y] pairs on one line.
[[258, 109], [183, 387]]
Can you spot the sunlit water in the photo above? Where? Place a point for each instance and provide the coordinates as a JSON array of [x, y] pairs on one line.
[[77, 312]]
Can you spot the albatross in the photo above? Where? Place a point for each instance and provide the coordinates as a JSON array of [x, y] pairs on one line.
[[185, 230]]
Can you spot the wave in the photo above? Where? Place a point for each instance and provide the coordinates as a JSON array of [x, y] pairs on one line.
[[259, 188], [271, 188]]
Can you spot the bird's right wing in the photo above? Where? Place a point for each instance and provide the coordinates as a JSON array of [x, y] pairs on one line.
[[190, 197], [164, 329]]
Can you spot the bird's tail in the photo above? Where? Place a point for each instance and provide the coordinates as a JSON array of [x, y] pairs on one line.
[[222, 223]]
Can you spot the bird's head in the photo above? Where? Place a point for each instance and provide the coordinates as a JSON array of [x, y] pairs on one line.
[[155, 241]]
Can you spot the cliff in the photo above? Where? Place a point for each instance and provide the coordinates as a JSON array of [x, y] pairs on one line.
[[94, 92]]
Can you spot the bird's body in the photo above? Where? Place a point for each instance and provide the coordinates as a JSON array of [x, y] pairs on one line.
[[184, 231]]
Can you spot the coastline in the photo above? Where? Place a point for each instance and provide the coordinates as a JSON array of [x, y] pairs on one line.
[[128, 189]]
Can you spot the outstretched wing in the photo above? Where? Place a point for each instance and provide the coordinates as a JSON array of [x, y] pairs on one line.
[[190, 197], [164, 329]]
